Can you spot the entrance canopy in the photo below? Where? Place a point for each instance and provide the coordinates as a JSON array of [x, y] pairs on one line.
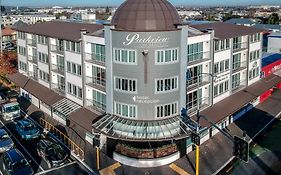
[[64, 107], [133, 130]]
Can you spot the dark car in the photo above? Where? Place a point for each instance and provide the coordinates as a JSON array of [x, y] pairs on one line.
[[6, 142], [52, 152], [14, 163], [27, 129]]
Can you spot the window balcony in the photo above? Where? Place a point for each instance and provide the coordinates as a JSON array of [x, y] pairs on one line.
[[96, 82], [94, 58], [57, 49], [196, 58], [193, 82], [238, 85], [239, 46], [58, 69], [96, 105], [59, 88], [31, 42], [238, 66], [32, 59]]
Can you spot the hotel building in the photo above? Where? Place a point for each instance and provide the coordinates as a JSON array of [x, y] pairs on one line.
[[126, 82]]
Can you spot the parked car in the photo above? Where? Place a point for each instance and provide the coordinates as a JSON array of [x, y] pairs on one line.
[[27, 129], [6, 142], [13, 162], [52, 152]]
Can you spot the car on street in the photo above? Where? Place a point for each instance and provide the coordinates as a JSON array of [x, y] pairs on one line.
[[6, 142], [52, 152], [13, 162], [27, 129]]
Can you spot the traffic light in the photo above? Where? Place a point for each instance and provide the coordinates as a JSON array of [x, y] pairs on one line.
[[241, 149], [195, 138], [96, 139]]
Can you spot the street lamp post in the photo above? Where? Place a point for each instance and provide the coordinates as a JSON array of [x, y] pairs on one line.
[[197, 120]]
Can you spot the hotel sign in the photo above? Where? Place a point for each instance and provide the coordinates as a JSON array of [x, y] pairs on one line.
[[140, 41]]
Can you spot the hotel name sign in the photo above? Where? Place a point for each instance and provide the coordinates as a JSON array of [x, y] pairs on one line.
[[146, 41]]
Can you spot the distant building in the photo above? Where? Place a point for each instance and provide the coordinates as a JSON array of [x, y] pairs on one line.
[[8, 35], [241, 21], [269, 27], [274, 42], [84, 16], [10, 20]]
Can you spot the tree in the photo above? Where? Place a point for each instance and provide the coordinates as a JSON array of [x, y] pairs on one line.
[[273, 19]]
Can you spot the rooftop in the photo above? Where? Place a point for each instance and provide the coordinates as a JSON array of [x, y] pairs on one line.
[[8, 31], [62, 30], [225, 30], [146, 15], [269, 58], [240, 21]]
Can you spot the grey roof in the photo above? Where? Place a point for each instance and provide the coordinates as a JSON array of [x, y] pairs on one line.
[[63, 30], [226, 30], [146, 15], [268, 26], [240, 21]]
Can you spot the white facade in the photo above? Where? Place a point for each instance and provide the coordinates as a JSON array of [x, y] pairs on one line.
[[29, 19]]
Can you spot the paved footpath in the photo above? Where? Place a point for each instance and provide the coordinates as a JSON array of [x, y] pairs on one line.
[[214, 153]]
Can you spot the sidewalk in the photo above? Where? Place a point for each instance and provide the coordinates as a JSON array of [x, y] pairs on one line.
[[214, 153]]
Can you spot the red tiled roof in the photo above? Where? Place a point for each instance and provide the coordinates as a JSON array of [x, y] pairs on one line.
[[8, 31]]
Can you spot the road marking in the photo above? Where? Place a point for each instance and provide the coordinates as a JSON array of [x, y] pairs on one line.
[[110, 170], [11, 134], [178, 169], [56, 168]]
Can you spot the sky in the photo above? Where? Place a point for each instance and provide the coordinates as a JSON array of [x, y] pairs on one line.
[[40, 3]]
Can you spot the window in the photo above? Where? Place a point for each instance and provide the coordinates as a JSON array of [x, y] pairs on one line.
[[73, 68], [43, 58], [21, 35], [254, 55], [42, 39], [44, 76], [221, 88], [73, 46], [166, 85], [193, 74], [98, 52], [125, 56], [166, 56], [235, 81], [99, 99], [98, 75], [125, 85], [221, 44], [191, 99], [221, 66], [74, 90], [194, 52], [255, 37], [22, 50], [125, 110], [22, 66], [237, 43], [167, 110], [236, 61], [253, 73]]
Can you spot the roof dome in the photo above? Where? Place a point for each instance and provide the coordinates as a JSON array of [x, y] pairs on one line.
[[146, 15]]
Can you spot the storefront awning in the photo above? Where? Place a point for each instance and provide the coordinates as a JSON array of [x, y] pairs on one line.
[[133, 130]]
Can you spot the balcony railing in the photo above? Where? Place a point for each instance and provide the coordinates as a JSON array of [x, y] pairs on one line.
[[33, 75], [31, 42], [239, 46], [96, 105], [60, 88], [94, 58], [192, 83], [237, 66], [96, 82], [192, 105], [58, 69], [57, 48], [197, 58], [237, 85], [32, 59]]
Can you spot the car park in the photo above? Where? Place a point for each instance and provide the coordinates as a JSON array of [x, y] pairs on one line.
[[52, 152], [6, 142], [13, 162], [27, 129]]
